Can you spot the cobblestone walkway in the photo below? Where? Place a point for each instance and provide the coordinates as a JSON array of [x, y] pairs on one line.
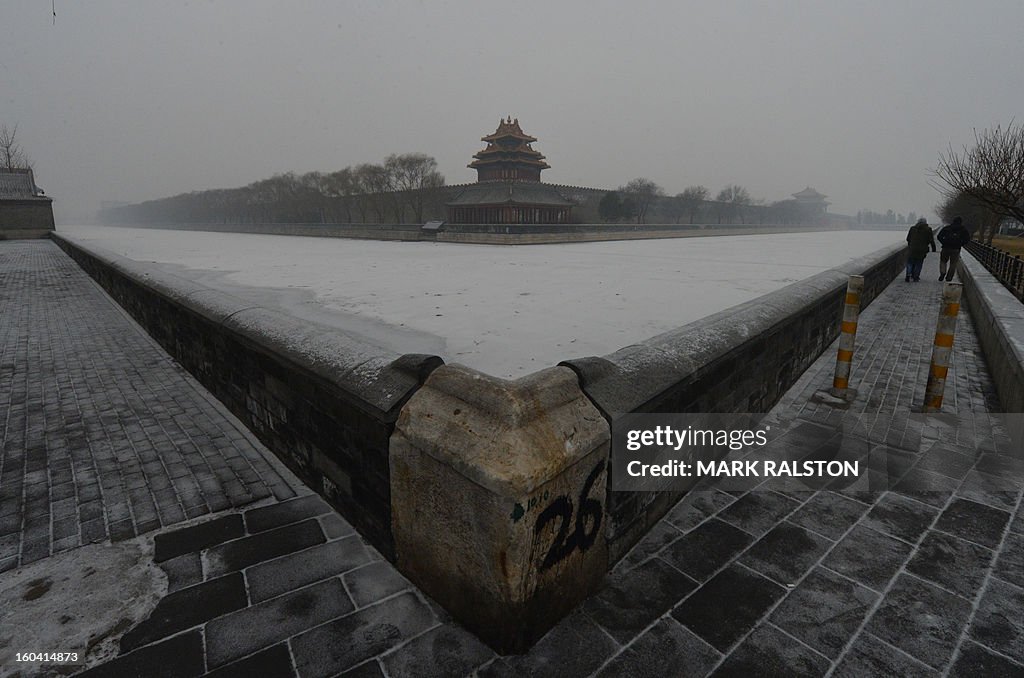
[[103, 435], [923, 579]]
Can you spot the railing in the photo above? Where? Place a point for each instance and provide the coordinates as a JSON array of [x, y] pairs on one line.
[[1006, 267]]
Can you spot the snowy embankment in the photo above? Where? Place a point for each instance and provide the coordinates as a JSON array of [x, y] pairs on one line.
[[504, 310]]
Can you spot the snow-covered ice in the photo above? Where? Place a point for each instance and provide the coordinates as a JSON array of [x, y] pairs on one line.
[[505, 310]]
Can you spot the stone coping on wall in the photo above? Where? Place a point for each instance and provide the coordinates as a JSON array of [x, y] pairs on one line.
[[999, 320], [380, 378]]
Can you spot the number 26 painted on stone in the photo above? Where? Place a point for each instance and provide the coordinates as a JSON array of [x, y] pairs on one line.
[[570, 534]]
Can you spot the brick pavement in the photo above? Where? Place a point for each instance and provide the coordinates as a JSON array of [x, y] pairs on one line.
[[923, 579], [103, 435]]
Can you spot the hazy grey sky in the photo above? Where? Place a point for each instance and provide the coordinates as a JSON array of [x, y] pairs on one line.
[[138, 100]]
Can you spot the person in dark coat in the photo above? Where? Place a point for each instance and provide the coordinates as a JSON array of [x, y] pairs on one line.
[[952, 237], [919, 238]]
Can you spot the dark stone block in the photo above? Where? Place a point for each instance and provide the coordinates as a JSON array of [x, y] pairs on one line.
[[758, 511], [575, 648], [871, 657], [187, 608], [769, 653], [366, 633], [786, 552], [448, 650], [952, 563], [999, 620], [666, 644], [94, 531], [901, 517], [1010, 564], [336, 527], [927, 487], [984, 488], [974, 522], [370, 669], [274, 661], [374, 582], [824, 611], [728, 606], [921, 619], [1003, 465], [285, 513], [945, 461], [177, 657], [243, 632], [241, 553], [829, 513], [631, 601], [707, 548], [976, 660], [697, 506], [296, 570], [659, 536], [197, 537], [869, 557], [182, 571]]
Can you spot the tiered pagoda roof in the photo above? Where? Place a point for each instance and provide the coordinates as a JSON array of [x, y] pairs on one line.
[[508, 189], [508, 155]]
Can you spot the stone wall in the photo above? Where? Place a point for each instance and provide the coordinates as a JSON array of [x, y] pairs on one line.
[[740, 360], [25, 219], [324, 402], [999, 321]]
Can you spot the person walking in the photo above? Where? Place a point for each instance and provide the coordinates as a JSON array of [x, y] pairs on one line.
[[952, 237], [919, 238]]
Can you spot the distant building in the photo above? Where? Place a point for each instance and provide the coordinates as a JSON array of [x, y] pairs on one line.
[[25, 211], [811, 202], [508, 188]]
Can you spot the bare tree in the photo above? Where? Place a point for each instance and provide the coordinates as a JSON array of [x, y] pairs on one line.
[[416, 176], [643, 193], [733, 199], [979, 217], [991, 172], [12, 156], [691, 199], [376, 182]]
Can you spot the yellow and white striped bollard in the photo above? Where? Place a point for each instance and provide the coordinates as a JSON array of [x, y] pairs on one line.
[[943, 346], [848, 333]]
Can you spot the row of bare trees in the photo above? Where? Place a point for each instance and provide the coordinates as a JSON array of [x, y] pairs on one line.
[[404, 187], [640, 198], [984, 182]]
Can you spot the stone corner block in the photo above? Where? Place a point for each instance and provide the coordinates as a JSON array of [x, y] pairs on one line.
[[498, 497]]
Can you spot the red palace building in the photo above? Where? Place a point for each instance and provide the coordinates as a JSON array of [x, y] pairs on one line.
[[508, 188]]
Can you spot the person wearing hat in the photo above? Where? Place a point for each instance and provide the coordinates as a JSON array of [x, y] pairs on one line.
[[919, 238], [952, 237]]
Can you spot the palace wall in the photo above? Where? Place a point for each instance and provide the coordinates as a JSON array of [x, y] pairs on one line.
[[25, 219], [499, 234]]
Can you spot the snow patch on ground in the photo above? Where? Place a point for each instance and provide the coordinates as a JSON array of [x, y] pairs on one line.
[[505, 310], [79, 601]]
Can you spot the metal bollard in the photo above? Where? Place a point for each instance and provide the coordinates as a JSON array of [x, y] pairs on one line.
[[848, 333], [943, 347]]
